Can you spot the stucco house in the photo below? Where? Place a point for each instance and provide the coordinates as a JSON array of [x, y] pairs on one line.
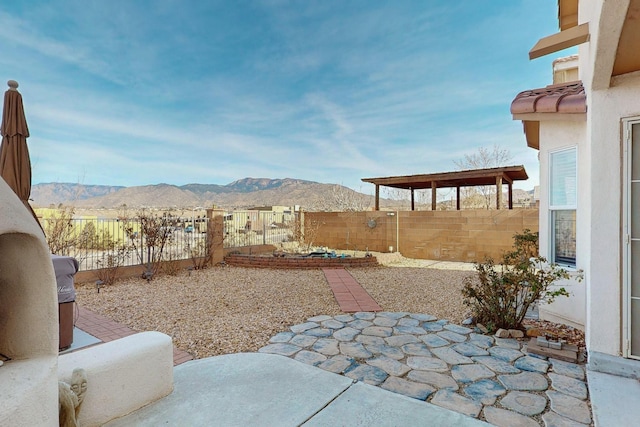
[[586, 127]]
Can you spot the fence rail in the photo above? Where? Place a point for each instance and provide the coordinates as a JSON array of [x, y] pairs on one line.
[[249, 228], [100, 243]]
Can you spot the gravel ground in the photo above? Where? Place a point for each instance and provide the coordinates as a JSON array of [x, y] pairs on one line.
[[224, 310]]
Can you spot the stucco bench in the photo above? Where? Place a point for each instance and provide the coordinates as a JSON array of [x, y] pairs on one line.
[[122, 375]]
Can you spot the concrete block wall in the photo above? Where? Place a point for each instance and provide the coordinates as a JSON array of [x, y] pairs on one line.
[[466, 235]]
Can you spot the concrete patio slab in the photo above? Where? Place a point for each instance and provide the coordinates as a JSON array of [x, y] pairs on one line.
[[614, 399], [265, 390]]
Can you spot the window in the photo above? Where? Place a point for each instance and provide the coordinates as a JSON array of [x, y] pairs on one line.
[[562, 206]]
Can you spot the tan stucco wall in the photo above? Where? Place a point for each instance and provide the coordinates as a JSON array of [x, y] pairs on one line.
[[28, 319], [555, 136], [466, 235]]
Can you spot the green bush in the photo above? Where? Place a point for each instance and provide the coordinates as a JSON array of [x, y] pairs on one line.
[[500, 295]]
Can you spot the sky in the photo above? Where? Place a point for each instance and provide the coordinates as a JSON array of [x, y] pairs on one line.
[[132, 92]]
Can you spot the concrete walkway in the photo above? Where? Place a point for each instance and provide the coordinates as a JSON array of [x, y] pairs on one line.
[[252, 389]]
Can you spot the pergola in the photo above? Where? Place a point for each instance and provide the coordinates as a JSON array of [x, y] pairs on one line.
[[467, 178]]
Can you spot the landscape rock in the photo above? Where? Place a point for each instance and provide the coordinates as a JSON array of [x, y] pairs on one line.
[[502, 333]]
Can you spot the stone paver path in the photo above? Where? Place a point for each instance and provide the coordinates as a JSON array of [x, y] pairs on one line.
[[452, 366]]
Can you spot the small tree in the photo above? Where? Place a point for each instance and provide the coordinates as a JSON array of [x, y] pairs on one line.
[[149, 241], [499, 296], [481, 196]]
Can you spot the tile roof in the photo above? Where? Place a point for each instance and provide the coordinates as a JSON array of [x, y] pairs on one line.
[[567, 98]]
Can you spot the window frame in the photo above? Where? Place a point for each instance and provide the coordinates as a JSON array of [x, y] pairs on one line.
[[568, 205]]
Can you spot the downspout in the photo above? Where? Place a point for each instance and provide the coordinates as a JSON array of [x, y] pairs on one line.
[[397, 231]]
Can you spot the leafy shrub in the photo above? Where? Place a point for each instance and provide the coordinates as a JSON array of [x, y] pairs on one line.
[[500, 295]]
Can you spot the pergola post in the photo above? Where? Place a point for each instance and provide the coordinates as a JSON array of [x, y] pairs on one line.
[[377, 197], [510, 196], [434, 194], [413, 206], [458, 198], [499, 192]]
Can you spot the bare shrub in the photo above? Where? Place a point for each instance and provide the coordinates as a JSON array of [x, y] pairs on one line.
[[499, 296]]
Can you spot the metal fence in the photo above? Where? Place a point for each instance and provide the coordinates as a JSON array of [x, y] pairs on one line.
[[101, 243], [254, 227]]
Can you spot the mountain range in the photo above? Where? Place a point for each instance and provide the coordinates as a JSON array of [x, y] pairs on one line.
[[243, 193], [240, 194]]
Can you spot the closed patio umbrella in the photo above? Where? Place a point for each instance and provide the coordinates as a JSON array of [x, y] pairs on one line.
[[15, 165]]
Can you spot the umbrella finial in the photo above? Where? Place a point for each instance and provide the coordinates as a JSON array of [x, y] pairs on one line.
[[13, 85]]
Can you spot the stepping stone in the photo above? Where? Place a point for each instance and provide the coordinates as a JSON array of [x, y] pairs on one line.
[[452, 336], [567, 369], [469, 373], [385, 321], [280, 348], [439, 381], [569, 407], [442, 322], [508, 343], [427, 364], [360, 324], [432, 326], [344, 318], [362, 315], [496, 365], [408, 388], [337, 364], [303, 340], [503, 418], [281, 337], [423, 317], [310, 357], [485, 391], [368, 374], [532, 364], [326, 346], [432, 340], [386, 350], [468, 349], [415, 330], [400, 340], [524, 403], [458, 329], [525, 381], [393, 315], [390, 366], [321, 318], [551, 419], [378, 331], [319, 332], [346, 334], [452, 400], [407, 321], [450, 356], [569, 386], [482, 341], [355, 350], [296, 329], [506, 354], [332, 324], [416, 349], [370, 340]]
